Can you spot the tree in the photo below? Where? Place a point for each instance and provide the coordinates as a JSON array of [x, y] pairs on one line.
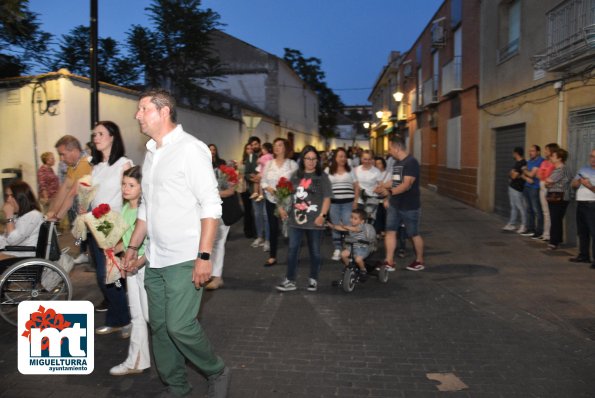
[[310, 71], [22, 43], [111, 66], [176, 53]]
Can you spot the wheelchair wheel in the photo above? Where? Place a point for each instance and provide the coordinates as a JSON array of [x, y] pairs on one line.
[[349, 280], [31, 279], [383, 274]]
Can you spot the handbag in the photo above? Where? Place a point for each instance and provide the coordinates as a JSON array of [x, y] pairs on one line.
[[554, 197], [231, 209]]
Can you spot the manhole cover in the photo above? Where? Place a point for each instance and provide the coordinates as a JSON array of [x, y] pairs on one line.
[[463, 269], [494, 244]]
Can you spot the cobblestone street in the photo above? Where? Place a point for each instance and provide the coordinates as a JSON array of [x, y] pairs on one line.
[[498, 312]]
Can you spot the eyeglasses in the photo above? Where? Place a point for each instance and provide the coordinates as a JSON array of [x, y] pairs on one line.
[[311, 159]]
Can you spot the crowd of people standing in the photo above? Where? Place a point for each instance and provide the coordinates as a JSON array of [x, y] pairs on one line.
[[181, 202], [540, 189]]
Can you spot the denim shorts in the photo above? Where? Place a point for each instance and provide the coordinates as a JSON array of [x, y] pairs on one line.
[[410, 218], [359, 251]]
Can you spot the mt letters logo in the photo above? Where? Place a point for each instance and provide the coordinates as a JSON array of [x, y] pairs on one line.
[[56, 337]]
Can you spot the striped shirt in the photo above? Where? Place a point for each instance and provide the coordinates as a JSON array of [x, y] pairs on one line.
[[342, 185]]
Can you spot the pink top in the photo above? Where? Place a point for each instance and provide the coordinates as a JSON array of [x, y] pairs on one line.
[[264, 159], [545, 170]]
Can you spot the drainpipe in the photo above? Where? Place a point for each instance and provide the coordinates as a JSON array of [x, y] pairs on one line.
[[558, 86]]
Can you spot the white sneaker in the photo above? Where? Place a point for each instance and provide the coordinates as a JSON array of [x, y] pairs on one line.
[[336, 255], [509, 227], [312, 285], [521, 230], [257, 242], [266, 246], [81, 259], [121, 370]]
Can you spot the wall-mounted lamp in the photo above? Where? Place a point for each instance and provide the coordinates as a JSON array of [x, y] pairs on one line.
[[379, 114], [398, 96], [366, 125]]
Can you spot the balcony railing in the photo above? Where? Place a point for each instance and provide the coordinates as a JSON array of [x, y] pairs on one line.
[[570, 35], [430, 91], [452, 77]]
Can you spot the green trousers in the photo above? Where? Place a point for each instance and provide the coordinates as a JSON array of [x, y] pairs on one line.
[[176, 334]]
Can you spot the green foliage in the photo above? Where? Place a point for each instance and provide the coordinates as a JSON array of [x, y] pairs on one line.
[[177, 51], [22, 43], [310, 71], [112, 67]]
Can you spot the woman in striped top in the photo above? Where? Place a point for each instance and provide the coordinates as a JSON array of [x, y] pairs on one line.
[[345, 194], [558, 184]]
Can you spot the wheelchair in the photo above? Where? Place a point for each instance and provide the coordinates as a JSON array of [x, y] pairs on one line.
[[37, 278], [351, 274]]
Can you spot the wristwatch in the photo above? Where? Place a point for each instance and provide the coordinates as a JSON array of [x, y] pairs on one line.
[[204, 256]]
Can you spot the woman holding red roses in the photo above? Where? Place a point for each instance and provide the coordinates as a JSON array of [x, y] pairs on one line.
[[109, 163], [280, 166]]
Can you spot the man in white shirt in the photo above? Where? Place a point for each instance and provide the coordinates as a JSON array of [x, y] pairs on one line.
[[179, 214], [584, 183]]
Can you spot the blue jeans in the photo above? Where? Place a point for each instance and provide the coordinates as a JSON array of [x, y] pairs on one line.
[[340, 213], [533, 210], [261, 220], [117, 302], [517, 206], [314, 237]]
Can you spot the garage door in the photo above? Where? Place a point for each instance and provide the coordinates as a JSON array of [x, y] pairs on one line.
[[506, 139]]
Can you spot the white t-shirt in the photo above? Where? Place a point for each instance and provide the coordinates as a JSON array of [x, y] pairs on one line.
[[368, 180], [25, 233], [108, 182]]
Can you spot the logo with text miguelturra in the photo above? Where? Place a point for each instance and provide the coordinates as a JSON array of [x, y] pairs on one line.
[[56, 337]]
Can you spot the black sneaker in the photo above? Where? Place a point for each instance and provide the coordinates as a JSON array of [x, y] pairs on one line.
[[101, 307], [363, 276], [528, 233], [537, 237], [312, 285], [401, 253], [579, 259]]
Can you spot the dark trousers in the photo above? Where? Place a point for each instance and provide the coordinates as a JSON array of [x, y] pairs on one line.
[[585, 226], [273, 228], [249, 226], [557, 212], [117, 302], [534, 212]]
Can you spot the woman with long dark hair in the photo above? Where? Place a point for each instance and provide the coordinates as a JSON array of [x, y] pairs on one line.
[[280, 166], [345, 194], [23, 219], [309, 209], [109, 164]]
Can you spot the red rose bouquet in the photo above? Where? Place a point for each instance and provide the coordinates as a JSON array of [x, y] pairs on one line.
[[227, 176], [283, 192], [107, 227]]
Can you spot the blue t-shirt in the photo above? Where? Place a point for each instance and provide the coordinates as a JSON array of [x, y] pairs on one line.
[[532, 163]]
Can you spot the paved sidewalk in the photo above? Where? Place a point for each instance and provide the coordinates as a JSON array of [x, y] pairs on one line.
[[493, 310]]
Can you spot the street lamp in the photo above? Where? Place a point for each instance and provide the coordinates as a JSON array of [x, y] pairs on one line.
[[398, 96], [366, 125], [379, 114]]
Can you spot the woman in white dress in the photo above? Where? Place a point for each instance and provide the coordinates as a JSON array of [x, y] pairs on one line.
[[109, 163]]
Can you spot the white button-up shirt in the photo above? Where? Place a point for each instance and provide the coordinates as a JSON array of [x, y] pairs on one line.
[[179, 189]]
